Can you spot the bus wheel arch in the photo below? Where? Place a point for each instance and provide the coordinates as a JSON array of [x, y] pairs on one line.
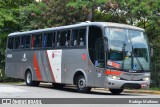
[[29, 80], [76, 75], [80, 80]]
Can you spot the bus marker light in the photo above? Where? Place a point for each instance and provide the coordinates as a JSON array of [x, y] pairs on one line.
[[84, 57], [89, 62]]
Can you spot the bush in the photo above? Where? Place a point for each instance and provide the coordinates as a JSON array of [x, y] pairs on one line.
[[8, 79], [3, 78]]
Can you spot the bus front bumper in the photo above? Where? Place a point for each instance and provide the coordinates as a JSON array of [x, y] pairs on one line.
[[122, 84]]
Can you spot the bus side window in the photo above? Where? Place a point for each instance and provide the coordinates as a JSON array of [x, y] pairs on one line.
[[79, 37], [58, 38], [10, 42], [82, 36], [36, 40], [25, 41], [63, 38], [17, 42], [54, 39], [74, 37], [49, 40], [67, 38]]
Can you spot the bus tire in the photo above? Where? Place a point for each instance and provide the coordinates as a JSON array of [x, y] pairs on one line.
[[58, 86], [116, 91], [29, 81], [81, 85]]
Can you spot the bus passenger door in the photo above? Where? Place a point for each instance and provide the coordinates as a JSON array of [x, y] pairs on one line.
[[99, 63]]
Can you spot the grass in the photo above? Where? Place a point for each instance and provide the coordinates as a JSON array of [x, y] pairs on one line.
[[155, 88], [17, 83]]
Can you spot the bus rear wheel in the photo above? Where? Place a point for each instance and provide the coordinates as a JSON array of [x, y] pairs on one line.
[[116, 91], [81, 85], [29, 81]]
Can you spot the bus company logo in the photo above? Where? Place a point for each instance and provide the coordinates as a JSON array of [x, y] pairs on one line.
[[24, 57], [6, 101]]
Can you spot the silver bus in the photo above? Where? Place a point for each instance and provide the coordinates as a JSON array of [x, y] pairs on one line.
[[88, 55]]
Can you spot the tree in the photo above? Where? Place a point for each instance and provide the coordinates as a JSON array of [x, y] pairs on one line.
[[92, 6], [144, 14], [33, 16], [9, 22]]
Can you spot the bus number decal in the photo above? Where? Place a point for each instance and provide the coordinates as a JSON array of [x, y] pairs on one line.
[[9, 55]]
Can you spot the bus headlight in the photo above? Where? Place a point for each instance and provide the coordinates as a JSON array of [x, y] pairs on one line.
[[114, 77], [146, 79]]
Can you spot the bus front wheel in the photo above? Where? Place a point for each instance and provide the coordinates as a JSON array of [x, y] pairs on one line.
[[29, 81], [81, 85], [116, 91]]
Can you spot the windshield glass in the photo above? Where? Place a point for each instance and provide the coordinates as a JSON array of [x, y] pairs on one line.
[[127, 49]]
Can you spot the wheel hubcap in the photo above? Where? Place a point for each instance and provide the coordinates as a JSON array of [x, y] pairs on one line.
[[29, 78], [82, 83]]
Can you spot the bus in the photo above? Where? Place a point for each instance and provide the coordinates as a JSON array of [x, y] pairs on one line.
[[87, 55]]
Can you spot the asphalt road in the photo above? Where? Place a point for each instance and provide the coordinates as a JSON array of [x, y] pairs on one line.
[[47, 91]]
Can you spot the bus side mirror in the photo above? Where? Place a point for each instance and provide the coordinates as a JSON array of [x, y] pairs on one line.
[[151, 52]]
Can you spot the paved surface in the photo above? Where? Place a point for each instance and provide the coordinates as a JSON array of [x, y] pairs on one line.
[[47, 91]]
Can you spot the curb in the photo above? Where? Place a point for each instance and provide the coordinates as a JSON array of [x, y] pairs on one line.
[[142, 91], [139, 91]]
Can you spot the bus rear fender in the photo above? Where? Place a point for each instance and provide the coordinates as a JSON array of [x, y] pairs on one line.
[[28, 69]]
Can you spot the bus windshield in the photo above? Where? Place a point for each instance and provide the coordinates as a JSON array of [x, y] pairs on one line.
[[127, 49]]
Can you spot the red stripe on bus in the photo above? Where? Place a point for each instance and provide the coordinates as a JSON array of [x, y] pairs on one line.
[[51, 71], [36, 67], [112, 72]]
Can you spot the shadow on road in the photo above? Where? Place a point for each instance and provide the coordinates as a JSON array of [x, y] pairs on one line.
[[72, 89]]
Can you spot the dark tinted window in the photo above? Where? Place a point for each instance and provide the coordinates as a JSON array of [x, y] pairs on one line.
[[26, 40], [10, 42], [36, 40], [63, 38], [17, 42], [79, 37], [49, 40]]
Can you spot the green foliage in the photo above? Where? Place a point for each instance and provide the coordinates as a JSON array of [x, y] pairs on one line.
[[86, 7], [9, 22], [33, 16]]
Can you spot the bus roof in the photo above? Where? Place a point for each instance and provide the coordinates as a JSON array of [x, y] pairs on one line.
[[101, 24]]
